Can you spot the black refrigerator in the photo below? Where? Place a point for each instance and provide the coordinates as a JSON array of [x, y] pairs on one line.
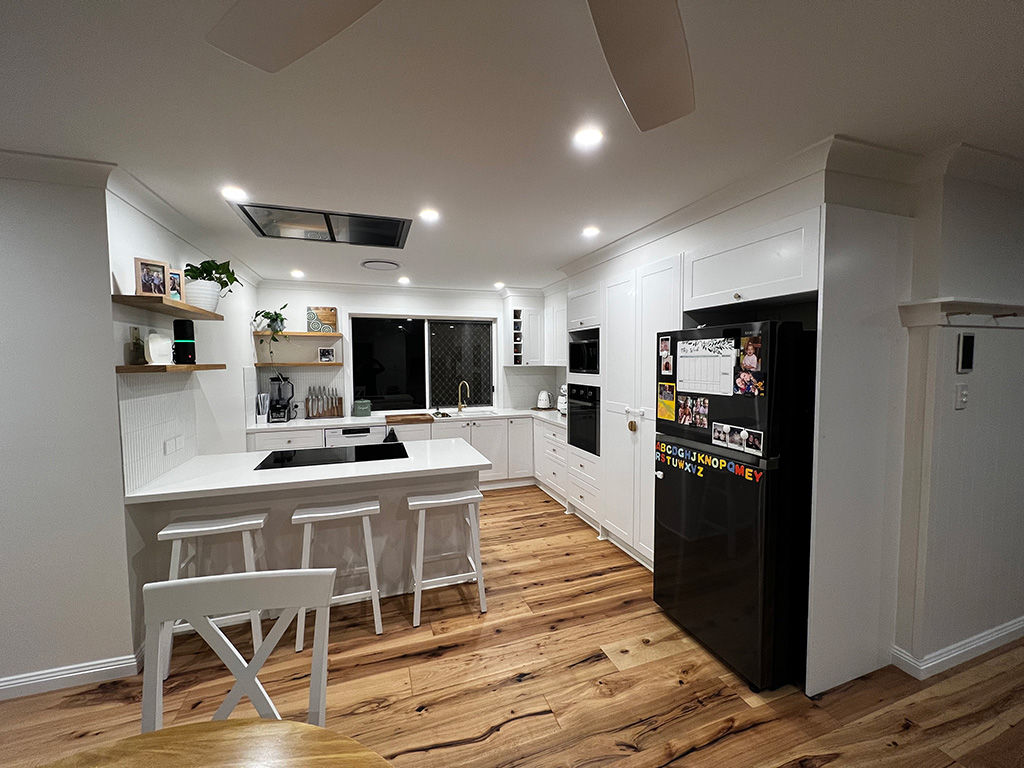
[[735, 422]]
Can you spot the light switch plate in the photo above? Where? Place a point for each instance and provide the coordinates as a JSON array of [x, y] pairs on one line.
[[179, 442], [168, 447], [960, 393]]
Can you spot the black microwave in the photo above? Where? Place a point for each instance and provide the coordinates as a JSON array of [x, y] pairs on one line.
[[584, 356]]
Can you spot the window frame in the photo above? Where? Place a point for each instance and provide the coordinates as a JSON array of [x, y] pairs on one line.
[[427, 320]]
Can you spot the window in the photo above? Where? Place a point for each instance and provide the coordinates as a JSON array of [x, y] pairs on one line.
[[390, 356]]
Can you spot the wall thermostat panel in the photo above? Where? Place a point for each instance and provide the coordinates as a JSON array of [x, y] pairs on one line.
[[965, 353]]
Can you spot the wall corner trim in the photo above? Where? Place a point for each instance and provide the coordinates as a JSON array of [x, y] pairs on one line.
[[958, 653], [44, 680]]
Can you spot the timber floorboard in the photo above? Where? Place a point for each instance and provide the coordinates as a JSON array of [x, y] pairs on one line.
[[572, 665]]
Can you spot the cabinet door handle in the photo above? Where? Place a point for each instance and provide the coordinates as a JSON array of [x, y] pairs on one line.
[[736, 296]]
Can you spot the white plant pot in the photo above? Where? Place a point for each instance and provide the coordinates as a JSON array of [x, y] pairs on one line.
[[204, 294]]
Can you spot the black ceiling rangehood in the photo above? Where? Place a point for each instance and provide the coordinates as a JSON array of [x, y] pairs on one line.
[[323, 226]]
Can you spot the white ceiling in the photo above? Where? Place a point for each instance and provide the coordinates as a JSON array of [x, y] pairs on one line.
[[469, 106]]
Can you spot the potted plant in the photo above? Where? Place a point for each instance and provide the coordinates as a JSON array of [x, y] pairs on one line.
[[208, 282], [272, 321]]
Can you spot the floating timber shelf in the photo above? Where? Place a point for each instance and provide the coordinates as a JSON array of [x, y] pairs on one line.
[[306, 334], [165, 306], [297, 365], [914, 314], [169, 368]]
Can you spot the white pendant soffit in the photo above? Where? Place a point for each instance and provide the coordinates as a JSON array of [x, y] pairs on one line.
[[271, 34], [645, 47], [29, 166]]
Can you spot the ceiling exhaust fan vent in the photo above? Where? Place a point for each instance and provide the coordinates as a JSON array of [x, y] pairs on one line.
[[380, 265], [323, 226]]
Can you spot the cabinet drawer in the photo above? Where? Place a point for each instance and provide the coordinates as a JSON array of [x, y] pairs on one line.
[[582, 495], [543, 431], [409, 432], [775, 260], [585, 467], [551, 472], [295, 438], [551, 450]]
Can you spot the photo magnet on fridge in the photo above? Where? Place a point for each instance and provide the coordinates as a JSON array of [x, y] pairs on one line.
[[718, 435], [749, 378], [735, 437], [749, 383], [664, 346], [666, 364], [685, 413], [666, 400], [754, 442]]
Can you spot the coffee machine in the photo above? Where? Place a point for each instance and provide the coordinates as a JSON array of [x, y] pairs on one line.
[[282, 392]]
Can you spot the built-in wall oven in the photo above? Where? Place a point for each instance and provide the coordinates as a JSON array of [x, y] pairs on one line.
[[585, 418]]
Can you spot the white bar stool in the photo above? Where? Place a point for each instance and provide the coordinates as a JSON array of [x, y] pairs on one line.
[[471, 500], [191, 532], [308, 517]]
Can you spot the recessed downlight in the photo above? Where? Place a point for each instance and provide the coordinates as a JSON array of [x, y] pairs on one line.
[[587, 138], [499, 285], [234, 194], [403, 280], [591, 232], [380, 265], [298, 273], [429, 215]]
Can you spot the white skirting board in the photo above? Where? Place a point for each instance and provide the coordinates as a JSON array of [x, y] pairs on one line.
[[87, 672], [957, 653]]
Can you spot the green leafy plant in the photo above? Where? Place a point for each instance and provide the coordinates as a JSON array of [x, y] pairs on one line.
[[274, 322], [218, 272]]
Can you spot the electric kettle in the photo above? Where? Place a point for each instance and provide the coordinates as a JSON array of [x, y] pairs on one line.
[[544, 399]]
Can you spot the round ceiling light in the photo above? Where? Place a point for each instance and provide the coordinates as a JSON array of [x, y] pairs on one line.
[[499, 285], [587, 138], [380, 265], [429, 215], [403, 280], [591, 231], [234, 194], [298, 273]]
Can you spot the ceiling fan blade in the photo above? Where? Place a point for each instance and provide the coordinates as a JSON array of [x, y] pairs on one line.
[[271, 34], [645, 47]]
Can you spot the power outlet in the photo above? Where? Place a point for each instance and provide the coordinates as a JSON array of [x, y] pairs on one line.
[[960, 397], [168, 447]]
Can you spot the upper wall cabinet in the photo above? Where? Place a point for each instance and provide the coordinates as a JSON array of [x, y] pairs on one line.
[[584, 307], [778, 259]]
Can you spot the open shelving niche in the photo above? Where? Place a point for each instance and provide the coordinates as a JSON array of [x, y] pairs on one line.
[[173, 308], [304, 335]]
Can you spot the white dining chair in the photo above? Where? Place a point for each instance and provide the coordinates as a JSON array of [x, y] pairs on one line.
[[197, 599]]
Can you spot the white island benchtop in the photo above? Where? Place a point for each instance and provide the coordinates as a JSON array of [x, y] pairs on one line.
[[224, 474]]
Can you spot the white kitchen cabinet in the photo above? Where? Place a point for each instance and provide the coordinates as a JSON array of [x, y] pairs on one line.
[[520, 447], [533, 337], [549, 455], [779, 259], [561, 338], [409, 432], [280, 440], [556, 339], [527, 347], [638, 306], [584, 307], [489, 436]]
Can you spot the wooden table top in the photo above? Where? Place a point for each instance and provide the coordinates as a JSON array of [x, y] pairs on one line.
[[231, 743]]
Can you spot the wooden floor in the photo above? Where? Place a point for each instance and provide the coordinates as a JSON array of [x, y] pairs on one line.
[[573, 665]]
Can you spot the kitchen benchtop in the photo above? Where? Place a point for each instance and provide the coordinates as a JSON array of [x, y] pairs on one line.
[[227, 474], [551, 417]]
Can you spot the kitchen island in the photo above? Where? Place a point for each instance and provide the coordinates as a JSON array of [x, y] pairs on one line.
[[224, 485]]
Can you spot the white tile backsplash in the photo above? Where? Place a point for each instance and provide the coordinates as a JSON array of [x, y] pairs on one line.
[[155, 408], [523, 385]]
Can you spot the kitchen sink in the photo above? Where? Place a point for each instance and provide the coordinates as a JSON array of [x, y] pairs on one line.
[[465, 414]]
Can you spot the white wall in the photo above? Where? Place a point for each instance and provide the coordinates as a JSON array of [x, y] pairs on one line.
[[860, 402], [63, 561], [142, 225]]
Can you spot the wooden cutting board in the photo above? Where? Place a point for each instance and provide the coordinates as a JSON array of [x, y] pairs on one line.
[[394, 420]]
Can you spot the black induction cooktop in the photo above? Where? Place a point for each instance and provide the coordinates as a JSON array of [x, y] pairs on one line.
[[312, 457]]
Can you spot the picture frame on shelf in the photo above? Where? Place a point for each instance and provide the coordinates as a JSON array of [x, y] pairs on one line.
[[151, 277], [325, 354], [175, 285]]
